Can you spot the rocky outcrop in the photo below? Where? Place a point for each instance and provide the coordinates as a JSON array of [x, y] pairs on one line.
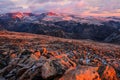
[[46, 65], [90, 73], [34, 57], [81, 73]]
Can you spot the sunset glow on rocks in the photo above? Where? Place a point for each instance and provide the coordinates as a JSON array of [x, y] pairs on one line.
[[59, 39]]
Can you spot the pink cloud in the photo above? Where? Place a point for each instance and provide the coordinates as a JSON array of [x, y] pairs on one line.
[[80, 4], [80, 7]]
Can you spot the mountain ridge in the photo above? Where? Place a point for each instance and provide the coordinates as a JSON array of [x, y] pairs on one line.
[[62, 25]]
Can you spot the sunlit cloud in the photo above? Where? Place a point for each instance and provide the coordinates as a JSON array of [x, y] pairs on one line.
[[81, 7]]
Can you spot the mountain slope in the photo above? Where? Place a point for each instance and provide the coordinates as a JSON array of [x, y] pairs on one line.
[[30, 56], [113, 38]]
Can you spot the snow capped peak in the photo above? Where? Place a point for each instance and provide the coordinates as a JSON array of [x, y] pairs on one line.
[[55, 17], [17, 15], [52, 14]]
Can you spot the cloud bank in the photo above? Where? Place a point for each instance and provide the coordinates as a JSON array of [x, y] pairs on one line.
[[79, 7]]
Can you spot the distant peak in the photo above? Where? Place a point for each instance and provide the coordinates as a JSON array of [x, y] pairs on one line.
[[52, 14], [17, 15]]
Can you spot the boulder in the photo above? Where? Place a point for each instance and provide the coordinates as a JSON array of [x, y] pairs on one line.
[[107, 73], [81, 73], [90, 73]]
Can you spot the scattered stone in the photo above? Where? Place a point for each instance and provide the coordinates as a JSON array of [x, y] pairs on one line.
[[49, 65]]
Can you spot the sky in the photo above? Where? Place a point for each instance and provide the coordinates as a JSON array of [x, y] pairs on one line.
[[79, 7]]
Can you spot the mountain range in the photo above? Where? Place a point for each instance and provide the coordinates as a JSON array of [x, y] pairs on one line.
[[103, 29]]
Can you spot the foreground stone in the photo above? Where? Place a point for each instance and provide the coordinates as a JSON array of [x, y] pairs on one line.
[[45, 65], [90, 73]]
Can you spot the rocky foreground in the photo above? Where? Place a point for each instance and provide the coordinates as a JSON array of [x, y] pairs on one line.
[[37, 57]]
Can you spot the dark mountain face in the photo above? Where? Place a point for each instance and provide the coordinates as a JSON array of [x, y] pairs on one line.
[[114, 38], [1, 28], [59, 25]]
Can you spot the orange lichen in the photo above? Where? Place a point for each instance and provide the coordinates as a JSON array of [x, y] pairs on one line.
[[61, 56], [13, 55], [33, 57], [37, 54]]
